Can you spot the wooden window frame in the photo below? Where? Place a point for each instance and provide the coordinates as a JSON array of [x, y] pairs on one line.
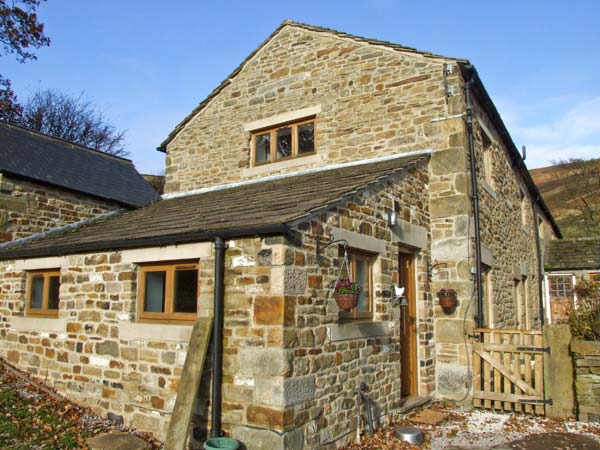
[[559, 286], [273, 141], [44, 311], [354, 256], [594, 277], [168, 316]]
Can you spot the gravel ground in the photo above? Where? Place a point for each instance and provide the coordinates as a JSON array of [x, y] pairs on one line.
[[482, 430]]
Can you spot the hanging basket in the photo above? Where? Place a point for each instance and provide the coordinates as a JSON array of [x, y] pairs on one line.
[[346, 301]]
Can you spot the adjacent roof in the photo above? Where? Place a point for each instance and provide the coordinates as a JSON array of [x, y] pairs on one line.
[[253, 208], [45, 159], [291, 23], [574, 254]]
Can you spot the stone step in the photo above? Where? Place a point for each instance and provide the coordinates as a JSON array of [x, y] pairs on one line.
[[117, 440]]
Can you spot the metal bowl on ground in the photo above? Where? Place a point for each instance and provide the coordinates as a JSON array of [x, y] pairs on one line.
[[411, 435]]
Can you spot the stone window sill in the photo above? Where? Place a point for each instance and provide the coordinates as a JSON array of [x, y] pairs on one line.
[[38, 324], [358, 330], [155, 331], [282, 165]]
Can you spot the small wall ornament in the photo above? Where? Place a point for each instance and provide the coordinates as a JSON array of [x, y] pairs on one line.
[[447, 300]]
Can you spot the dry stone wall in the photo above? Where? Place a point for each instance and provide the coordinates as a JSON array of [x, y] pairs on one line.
[[27, 208], [373, 101], [586, 359]]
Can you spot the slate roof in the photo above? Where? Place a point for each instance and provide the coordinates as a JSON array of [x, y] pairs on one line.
[[574, 254], [57, 162], [257, 208]]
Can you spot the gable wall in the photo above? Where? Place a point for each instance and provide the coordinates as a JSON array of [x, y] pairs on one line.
[[27, 208], [335, 368], [373, 102]]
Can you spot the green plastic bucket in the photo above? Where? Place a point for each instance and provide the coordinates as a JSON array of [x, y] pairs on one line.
[[221, 443]]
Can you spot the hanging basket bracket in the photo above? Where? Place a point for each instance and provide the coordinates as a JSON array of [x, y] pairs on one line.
[[323, 243]]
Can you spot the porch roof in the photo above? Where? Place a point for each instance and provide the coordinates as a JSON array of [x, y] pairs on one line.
[[574, 254], [259, 207]]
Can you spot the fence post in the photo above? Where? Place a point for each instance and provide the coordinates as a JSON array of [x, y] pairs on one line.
[[558, 371]]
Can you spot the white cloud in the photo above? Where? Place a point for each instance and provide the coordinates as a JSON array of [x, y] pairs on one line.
[[570, 132]]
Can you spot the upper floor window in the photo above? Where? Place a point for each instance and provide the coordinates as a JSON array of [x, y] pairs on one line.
[[284, 142], [43, 293], [168, 292], [487, 158], [361, 267]]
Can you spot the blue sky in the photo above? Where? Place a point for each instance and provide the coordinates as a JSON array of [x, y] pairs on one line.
[[147, 64]]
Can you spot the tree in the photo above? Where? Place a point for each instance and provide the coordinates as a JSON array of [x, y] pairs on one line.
[[73, 119], [20, 31]]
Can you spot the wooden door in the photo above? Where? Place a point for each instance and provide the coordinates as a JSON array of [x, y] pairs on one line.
[[408, 325]]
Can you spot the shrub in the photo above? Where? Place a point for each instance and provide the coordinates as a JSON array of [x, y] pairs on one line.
[[585, 319]]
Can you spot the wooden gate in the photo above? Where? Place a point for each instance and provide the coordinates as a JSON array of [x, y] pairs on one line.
[[508, 370]]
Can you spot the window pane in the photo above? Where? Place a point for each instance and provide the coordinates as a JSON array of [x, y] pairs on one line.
[[263, 147], [186, 291], [306, 138], [53, 292], [155, 292], [362, 278], [37, 292], [284, 142]]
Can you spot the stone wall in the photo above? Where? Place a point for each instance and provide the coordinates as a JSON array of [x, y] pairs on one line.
[[372, 101], [97, 354], [288, 380], [27, 208], [509, 251], [586, 359], [329, 358]]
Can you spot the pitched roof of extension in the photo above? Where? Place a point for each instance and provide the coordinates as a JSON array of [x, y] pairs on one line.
[[574, 254], [52, 161], [288, 22], [259, 207]]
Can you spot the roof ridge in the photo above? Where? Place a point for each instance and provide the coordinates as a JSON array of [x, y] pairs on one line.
[[374, 41], [298, 173], [65, 141]]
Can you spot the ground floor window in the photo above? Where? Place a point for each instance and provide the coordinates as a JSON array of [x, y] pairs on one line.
[[43, 288], [361, 269], [168, 292]]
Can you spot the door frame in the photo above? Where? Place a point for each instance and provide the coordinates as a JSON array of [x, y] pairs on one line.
[[409, 385]]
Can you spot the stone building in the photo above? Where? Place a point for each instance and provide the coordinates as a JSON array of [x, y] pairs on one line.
[[318, 136], [47, 182], [569, 261]]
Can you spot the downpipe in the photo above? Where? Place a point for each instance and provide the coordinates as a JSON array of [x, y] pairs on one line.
[[217, 355], [479, 317]]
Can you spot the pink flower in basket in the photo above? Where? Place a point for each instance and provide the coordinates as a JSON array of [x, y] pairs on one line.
[[345, 286]]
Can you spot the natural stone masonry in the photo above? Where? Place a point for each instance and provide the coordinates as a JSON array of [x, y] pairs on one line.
[[586, 358], [27, 208], [397, 94], [283, 376]]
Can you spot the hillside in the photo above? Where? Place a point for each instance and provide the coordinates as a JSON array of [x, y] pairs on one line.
[[572, 192]]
